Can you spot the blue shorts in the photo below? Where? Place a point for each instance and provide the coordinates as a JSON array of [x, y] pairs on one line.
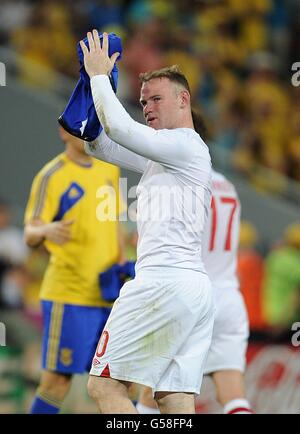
[[70, 336]]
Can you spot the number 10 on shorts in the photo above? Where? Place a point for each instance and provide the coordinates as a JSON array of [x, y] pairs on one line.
[[101, 348]]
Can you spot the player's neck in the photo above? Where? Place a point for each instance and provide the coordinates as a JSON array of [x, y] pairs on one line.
[[186, 122], [78, 157]]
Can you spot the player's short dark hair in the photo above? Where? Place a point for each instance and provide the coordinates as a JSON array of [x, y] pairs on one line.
[[174, 74]]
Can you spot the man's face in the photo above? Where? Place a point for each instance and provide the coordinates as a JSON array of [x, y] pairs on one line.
[[160, 99]]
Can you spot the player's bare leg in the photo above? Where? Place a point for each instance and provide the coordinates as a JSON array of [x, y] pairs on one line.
[[111, 395], [146, 403], [51, 392], [55, 384], [231, 391], [175, 402]]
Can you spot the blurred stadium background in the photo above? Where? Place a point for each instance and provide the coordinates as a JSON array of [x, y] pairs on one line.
[[238, 57]]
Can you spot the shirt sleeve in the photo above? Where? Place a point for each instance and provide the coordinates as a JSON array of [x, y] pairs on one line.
[[41, 203], [163, 146], [105, 149]]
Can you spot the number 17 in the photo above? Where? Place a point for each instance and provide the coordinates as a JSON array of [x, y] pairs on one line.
[[231, 201]]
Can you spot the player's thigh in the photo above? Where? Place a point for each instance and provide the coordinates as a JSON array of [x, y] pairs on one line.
[[146, 395], [101, 387], [175, 402]]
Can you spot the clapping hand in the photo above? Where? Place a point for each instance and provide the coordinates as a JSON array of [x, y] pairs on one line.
[[96, 58]]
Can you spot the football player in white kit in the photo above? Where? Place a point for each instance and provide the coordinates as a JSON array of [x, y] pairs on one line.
[[227, 355], [160, 328]]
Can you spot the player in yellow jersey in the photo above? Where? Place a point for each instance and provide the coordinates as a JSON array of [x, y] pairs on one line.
[[63, 213]]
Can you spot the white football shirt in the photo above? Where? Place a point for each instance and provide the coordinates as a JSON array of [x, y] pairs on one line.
[[173, 195], [221, 234]]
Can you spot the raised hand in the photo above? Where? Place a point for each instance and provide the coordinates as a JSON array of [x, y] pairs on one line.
[[96, 59]]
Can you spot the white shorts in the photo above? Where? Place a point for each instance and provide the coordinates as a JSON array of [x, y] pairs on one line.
[[230, 333], [159, 332]]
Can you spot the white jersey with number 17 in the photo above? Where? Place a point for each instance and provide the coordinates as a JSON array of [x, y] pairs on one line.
[[221, 235]]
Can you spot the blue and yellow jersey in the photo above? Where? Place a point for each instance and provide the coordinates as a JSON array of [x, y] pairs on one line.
[[64, 190]]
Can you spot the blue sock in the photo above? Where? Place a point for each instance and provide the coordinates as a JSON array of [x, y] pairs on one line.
[[43, 404]]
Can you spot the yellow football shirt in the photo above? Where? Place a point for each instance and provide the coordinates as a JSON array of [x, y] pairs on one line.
[[65, 190]]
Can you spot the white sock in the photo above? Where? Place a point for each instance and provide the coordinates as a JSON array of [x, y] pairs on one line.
[[238, 406], [143, 409]]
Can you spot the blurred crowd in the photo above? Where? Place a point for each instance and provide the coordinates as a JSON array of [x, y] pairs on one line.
[[236, 54]]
